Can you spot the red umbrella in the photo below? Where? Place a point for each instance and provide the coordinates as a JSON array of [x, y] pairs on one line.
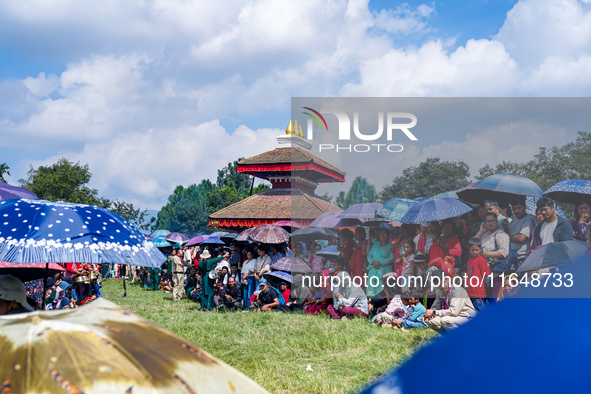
[[269, 234]]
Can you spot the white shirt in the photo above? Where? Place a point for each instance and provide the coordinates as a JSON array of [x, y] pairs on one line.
[[547, 232], [249, 266]]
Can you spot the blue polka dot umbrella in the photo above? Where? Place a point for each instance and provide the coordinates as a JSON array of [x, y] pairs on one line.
[[435, 209], [39, 231], [572, 191]]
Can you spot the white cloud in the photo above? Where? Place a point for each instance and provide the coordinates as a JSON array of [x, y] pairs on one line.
[[140, 76], [146, 166]]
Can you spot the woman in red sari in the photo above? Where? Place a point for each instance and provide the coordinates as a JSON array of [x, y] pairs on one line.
[[446, 249]]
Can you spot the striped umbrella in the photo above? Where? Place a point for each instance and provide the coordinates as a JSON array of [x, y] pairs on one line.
[[39, 231], [395, 208], [435, 209], [291, 264]]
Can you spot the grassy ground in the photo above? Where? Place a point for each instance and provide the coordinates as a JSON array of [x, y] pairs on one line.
[[274, 349]]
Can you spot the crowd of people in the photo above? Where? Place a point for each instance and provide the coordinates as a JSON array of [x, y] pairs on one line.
[[384, 274]]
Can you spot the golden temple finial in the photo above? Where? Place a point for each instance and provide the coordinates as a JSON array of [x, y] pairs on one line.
[[296, 128], [289, 129]]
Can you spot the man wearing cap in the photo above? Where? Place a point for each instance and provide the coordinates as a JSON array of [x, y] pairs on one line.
[[268, 297], [13, 298], [206, 265]]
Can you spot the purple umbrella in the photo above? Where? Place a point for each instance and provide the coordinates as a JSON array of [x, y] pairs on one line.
[[269, 234], [213, 241], [327, 219], [291, 264], [197, 240], [176, 237], [361, 211], [8, 191]]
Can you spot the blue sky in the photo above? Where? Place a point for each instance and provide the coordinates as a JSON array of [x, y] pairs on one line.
[[136, 88]]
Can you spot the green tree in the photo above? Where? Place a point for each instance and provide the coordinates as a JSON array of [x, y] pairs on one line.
[[429, 178], [186, 210], [361, 191], [229, 173], [68, 181], [63, 181], [4, 170], [221, 198], [129, 212]]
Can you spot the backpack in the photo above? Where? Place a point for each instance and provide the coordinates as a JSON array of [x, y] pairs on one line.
[[279, 296]]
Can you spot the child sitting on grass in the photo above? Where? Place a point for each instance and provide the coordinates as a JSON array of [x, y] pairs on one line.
[[415, 312], [396, 308]]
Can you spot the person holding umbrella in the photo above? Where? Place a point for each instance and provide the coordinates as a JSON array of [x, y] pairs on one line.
[[553, 228]]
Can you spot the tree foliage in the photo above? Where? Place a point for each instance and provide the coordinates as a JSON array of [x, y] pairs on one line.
[[68, 181], [361, 191], [551, 165], [429, 178], [4, 170]]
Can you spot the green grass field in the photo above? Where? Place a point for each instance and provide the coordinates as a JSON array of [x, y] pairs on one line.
[[274, 349]]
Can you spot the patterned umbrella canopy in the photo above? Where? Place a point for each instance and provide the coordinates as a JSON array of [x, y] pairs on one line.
[[102, 348], [8, 191], [269, 234], [327, 219], [39, 231], [395, 208], [176, 237], [360, 211], [499, 187], [159, 233], [291, 264], [435, 209], [571, 191], [219, 234], [243, 236], [313, 233], [419, 199], [531, 207], [160, 242]]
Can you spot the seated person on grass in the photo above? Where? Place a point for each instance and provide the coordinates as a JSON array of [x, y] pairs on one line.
[[414, 319], [232, 295], [321, 300], [165, 283], [349, 300], [396, 309], [451, 308], [194, 286], [268, 299]]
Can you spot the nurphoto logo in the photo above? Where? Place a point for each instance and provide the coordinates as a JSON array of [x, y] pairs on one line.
[[394, 124]]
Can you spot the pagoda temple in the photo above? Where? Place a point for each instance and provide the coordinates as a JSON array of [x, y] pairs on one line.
[[294, 173]]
